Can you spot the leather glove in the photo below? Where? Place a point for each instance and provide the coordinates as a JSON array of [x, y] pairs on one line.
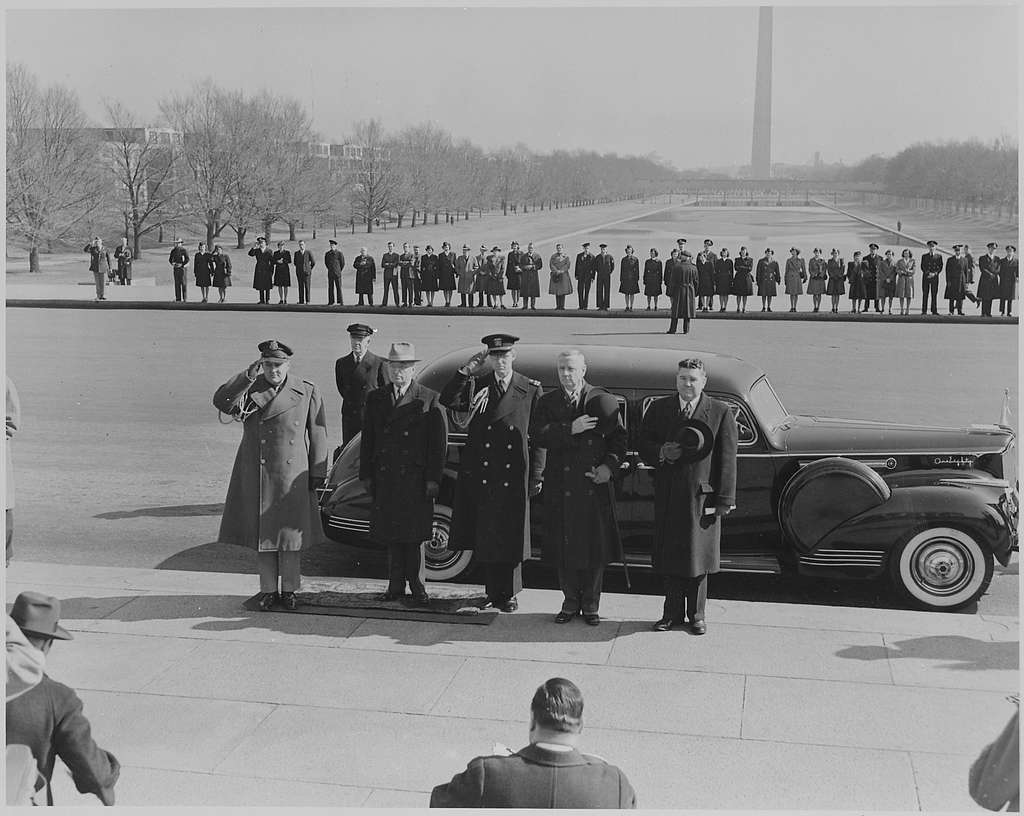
[[599, 474]]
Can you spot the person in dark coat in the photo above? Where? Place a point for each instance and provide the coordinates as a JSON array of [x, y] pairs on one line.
[[581, 431], [357, 374], [530, 263], [304, 263], [817, 278], [271, 502], [428, 274], [988, 279], [514, 272], [560, 283], [931, 266], [389, 265], [906, 266], [604, 265], [994, 778], [202, 268], [221, 262], [334, 261], [408, 271], [548, 773], [366, 274], [836, 286], [584, 271], [768, 279], [681, 287], [855, 272], [743, 279], [178, 259], [694, 488], [446, 281], [1008, 272], [48, 718], [282, 272], [495, 275], [795, 277], [886, 282], [123, 257], [481, 278], [654, 276], [871, 263], [263, 273], [724, 272], [956, 280], [705, 276], [401, 460], [629, 277], [498, 470]]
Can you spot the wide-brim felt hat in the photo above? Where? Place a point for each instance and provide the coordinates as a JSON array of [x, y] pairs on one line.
[[37, 614], [696, 439], [402, 353]]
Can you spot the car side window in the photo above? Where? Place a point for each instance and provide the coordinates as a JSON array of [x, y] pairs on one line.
[[745, 425]]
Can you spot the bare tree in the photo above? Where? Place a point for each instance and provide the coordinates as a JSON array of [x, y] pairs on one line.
[[53, 179], [373, 175]]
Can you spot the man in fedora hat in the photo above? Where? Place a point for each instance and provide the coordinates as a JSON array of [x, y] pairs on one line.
[[357, 374], [271, 502], [48, 718], [401, 459], [498, 471], [690, 441]]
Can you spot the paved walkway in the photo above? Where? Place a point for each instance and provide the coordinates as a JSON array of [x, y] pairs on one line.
[[778, 707]]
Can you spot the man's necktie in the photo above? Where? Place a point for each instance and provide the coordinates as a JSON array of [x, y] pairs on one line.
[[499, 387], [687, 410]]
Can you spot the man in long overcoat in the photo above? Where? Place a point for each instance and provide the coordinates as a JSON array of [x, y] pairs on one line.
[[281, 461], [681, 287], [586, 268], [931, 265], [561, 283], [357, 374], [691, 494], [988, 279], [956, 280], [401, 459], [263, 272], [498, 470], [366, 274], [531, 263], [334, 260], [604, 265], [1008, 272], [581, 431]]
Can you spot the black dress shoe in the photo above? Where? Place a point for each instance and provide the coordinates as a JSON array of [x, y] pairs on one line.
[[663, 625], [288, 601], [698, 627], [591, 618], [390, 596], [564, 617], [511, 605], [267, 601], [421, 600]]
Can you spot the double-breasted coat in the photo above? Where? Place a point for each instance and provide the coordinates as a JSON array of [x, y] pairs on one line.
[[464, 274], [653, 276], [334, 260], [560, 280], [743, 277], [681, 285], [513, 269], [956, 278], [580, 528], [988, 277], [836, 277], [221, 269], [705, 273], [796, 274], [263, 273], [403, 447], [1008, 277], [724, 271], [355, 381], [768, 277], [446, 271], [270, 505], [586, 267], [202, 268], [856, 273], [530, 263], [870, 263], [495, 272], [366, 273], [686, 539], [817, 276], [428, 272], [629, 275], [492, 509]]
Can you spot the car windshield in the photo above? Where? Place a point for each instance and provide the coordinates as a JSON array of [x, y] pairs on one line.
[[767, 405]]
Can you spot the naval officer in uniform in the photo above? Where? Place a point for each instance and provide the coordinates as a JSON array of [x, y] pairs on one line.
[[357, 374]]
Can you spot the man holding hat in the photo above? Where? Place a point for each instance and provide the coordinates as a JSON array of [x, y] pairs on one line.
[[48, 718], [931, 266], [586, 268], [401, 459], [1008, 280], [357, 374], [263, 273], [178, 259], [334, 260], [690, 441], [988, 279], [271, 503], [956, 280], [498, 471]]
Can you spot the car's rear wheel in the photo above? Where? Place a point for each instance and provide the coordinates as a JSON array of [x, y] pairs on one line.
[[442, 563], [941, 568]]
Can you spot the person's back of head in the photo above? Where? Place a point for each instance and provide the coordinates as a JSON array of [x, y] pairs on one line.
[[558, 706]]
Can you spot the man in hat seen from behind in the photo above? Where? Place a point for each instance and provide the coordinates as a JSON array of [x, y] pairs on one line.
[[681, 288], [498, 470], [988, 279], [357, 374], [689, 439], [401, 459], [48, 718], [271, 504], [931, 266]]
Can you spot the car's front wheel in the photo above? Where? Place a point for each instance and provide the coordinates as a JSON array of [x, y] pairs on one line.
[[941, 568], [442, 563]]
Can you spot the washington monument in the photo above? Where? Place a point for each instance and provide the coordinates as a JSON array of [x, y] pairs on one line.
[[761, 147]]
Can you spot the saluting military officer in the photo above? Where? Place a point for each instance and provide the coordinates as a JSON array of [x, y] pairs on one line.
[[498, 472], [357, 374]]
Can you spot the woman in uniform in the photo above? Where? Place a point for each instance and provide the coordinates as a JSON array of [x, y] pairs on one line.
[[629, 277], [743, 279], [796, 276], [768, 279], [817, 278], [446, 272], [428, 274], [724, 271], [836, 286], [495, 273], [653, 277], [855, 273], [886, 281], [282, 272], [905, 268]]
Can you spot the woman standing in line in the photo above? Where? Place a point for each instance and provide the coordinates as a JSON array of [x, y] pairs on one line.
[[768, 279], [855, 273], [653, 276], [724, 271], [836, 286], [743, 279], [221, 263], [202, 268], [495, 273], [905, 268], [796, 276], [282, 272], [446, 272], [629, 277], [817, 277], [428, 274], [886, 281]]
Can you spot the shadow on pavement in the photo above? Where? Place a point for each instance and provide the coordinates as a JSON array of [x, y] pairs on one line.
[[212, 557], [962, 653], [174, 511]]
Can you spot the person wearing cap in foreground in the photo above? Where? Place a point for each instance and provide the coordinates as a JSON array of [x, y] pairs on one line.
[[357, 374], [988, 279], [931, 266], [48, 718], [401, 458], [586, 268], [956, 280], [550, 772], [581, 432], [334, 261], [498, 470], [1008, 280], [689, 439], [271, 502]]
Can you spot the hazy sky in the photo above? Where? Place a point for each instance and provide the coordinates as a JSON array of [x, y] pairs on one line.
[[848, 81]]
